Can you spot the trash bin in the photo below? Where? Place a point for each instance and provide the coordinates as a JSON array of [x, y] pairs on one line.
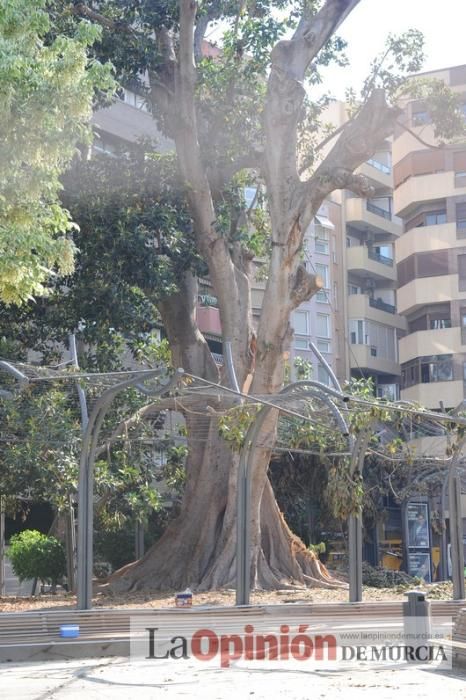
[[417, 626]]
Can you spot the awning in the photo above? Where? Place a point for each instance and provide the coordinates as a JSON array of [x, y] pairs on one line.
[[324, 221]]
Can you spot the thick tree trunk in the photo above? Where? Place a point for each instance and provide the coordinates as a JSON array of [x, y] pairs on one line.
[[198, 549]]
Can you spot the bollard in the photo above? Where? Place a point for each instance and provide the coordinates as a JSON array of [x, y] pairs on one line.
[[417, 624]]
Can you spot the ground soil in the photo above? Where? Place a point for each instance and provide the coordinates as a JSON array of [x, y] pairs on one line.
[[105, 599]]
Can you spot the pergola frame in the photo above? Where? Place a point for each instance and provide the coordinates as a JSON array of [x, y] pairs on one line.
[[336, 403]]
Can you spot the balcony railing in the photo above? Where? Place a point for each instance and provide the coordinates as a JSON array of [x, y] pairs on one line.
[[382, 305], [218, 358], [374, 209], [380, 258], [379, 166]]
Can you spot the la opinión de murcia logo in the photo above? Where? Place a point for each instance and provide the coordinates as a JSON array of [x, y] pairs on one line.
[[205, 645], [286, 644]]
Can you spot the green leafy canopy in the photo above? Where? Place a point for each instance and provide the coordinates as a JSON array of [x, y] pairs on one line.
[[46, 95]]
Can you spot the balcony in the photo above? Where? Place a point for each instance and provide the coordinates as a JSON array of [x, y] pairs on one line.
[[208, 320], [368, 216], [429, 395], [218, 358], [378, 174], [424, 188], [361, 306], [428, 290], [443, 341], [365, 357], [382, 305], [363, 261], [130, 124], [426, 239]]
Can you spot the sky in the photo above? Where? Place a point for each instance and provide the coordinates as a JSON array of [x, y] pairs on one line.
[[442, 23]]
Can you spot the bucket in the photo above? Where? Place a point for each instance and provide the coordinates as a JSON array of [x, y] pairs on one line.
[[69, 631], [184, 600]]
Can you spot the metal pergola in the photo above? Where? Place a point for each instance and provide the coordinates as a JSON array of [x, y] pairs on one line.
[[296, 401]]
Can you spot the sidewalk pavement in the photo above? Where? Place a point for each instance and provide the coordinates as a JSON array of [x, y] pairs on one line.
[[146, 680]]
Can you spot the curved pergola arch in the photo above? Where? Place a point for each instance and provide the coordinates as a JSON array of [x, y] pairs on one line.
[[333, 410]]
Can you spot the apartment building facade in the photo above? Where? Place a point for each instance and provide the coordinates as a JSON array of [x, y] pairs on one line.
[[374, 326], [430, 199]]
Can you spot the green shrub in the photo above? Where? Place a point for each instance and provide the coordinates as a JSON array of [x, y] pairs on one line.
[[34, 555]]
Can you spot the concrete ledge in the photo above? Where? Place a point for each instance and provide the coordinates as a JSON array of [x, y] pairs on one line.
[[53, 651]]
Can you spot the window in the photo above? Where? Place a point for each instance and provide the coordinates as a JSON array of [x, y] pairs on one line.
[[421, 117], [134, 99], [461, 216], [435, 218], [301, 329], [461, 273], [427, 218], [464, 371], [437, 324], [460, 178], [353, 289], [102, 145], [381, 339], [388, 391], [382, 206], [427, 370], [250, 197], [436, 371], [356, 328], [334, 249], [322, 239], [323, 294], [432, 264], [322, 374], [322, 271], [323, 325], [323, 346]]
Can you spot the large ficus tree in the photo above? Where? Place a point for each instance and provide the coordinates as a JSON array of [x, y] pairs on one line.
[[242, 113]]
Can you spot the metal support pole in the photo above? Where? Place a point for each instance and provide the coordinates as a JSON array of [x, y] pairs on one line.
[[72, 564], [80, 390], [2, 547], [86, 477], [355, 522], [456, 534], [444, 547], [326, 365], [355, 558], [70, 535]]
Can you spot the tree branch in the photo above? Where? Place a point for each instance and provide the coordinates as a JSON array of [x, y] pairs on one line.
[[80, 9], [294, 56], [199, 33], [290, 60], [305, 286], [439, 147], [358, 141]]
